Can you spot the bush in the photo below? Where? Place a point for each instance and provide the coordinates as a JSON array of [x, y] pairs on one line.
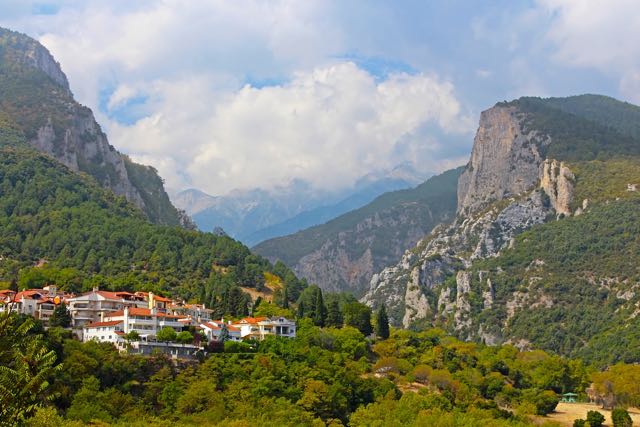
[[544, 401], [579, 423], [595, 419], [621, 418]]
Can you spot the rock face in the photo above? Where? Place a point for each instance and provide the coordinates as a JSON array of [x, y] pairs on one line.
[[33, 54], [54, 123], [84, 147], [506, 188], [504, 162], [557, 181]]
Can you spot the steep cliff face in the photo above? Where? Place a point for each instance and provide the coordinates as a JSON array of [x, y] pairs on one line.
[[506, 188], [504, 162], [544, 216], [35, 94]]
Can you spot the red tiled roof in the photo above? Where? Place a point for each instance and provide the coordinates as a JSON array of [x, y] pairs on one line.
[[216, 327], [161, 299], [109, 295], [98, 324], [135, 311], [252, 319]]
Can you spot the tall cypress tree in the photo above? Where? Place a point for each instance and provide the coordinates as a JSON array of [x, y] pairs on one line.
[[300, 311], [334, 315], [285, 298], [382, 323], [320, 310]]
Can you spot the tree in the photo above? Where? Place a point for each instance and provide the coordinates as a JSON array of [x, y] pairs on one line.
[[595, 419], [358, 315], [61, 316], [382, 323], [224, 334], [621, 418], [256, 304], [334, 315], [320, 310], [300, 310], [285, 298], [184, 337], [167, 334], [132, 336], [25, 365]]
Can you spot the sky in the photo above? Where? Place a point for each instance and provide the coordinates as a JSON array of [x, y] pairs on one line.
[[219, 95]]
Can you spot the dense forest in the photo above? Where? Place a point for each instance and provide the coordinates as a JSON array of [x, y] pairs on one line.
[[327, 376], [87, 236]]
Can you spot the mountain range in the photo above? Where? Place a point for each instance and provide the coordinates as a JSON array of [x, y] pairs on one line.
[[255, 215]]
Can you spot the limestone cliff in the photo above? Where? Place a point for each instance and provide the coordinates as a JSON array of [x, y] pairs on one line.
[[504, 162], [557, 180], [507, 187], [35, 95]]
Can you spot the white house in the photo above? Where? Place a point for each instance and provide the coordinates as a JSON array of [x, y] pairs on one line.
[[92, 306], [38, 303], [261, 327], [146, 322], [213, 329]]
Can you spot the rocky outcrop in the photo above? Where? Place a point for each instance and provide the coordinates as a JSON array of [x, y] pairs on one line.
[[26, 51], [447, 251], [557, 181], [84, 147], [498, 198], [505, 160], [55, 124]]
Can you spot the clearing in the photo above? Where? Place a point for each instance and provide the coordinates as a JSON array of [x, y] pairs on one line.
[[567, 412]]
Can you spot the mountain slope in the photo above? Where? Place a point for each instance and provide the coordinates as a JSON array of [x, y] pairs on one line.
[[343, 253], [87, 236], [35, 95], [545, 248]]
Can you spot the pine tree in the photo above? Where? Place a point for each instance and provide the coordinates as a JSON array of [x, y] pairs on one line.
[[320, 310], [61, 316], [256, 304], [285, 298], [382, 323], [300, 311], [334, 315]]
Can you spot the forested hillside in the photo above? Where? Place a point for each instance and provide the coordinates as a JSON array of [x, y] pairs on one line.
[[87, 236]]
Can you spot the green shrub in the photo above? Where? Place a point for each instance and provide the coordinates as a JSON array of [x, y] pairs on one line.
[[621, 418], [595, 419]]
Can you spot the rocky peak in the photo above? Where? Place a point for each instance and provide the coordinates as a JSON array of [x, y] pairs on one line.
[[504, 162], [27, 51]]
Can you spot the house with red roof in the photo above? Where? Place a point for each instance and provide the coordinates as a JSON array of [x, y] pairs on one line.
[[90, 307], [213, 330], [261, 327], [146, 322], [38, 303]]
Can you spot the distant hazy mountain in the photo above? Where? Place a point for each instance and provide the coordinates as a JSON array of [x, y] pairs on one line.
[[259, 214]]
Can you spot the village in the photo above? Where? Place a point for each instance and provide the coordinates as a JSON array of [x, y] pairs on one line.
[[142, 322]]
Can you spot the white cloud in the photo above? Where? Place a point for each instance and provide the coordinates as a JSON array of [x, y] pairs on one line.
[[327, 122], [329, 126], [597, 34]]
